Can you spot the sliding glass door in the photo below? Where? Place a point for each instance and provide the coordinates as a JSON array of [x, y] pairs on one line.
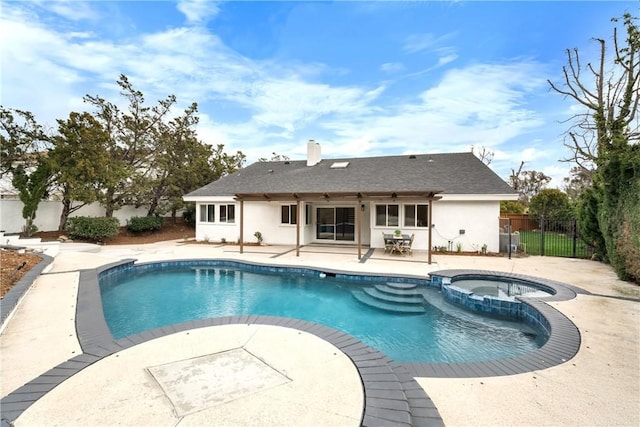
[[335, 224]]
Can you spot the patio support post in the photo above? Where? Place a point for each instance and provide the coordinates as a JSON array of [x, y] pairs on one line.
[[298, 228], [430, 227], [359, 221], [241, 226]]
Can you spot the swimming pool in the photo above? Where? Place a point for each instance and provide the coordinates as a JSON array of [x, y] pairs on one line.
[[144, 297]]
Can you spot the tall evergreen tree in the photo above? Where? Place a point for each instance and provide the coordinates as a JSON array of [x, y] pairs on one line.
[[607, 135], [80, 162], [131, 141]]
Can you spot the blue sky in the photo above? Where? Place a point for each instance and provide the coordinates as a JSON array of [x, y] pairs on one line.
[[362, 78]]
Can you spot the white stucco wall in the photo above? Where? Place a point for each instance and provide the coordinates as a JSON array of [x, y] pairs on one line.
[[265, 217], [478, 219], [258, 216], [48, 214]]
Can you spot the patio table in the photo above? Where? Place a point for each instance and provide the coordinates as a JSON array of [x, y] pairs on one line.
[[397, 242]]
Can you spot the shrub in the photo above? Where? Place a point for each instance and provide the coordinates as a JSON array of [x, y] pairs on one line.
[[511, 207], [550, 203], [141, 224], [90, 228]]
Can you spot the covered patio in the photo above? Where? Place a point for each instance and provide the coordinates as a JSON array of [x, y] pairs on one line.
[[355, 198]]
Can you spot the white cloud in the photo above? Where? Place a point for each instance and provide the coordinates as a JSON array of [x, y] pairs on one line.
[[446, 59], [289, 103], [198, 11], [263, 106], [418, 42], [72, 10], [392, 67], [482, 105], [424, 41]]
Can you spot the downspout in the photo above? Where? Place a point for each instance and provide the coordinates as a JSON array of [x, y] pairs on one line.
[[430, 227], [298, 228], [241, 226], [359, 220]]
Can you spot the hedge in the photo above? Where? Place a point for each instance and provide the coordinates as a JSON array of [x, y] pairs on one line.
[[140, 224], [93, 228]]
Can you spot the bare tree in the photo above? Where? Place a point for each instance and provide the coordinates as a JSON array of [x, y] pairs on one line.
[[527, 182], [605, 137], [274, 158], [611, 105], [483, 154], [579, 179]]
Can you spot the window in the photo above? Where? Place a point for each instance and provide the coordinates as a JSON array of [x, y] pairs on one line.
[[416, 215], [207, 213], [289, 214], [228, 213], [387, 215], [307, 214]]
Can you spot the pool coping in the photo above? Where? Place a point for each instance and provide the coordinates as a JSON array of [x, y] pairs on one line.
[[392, 395]]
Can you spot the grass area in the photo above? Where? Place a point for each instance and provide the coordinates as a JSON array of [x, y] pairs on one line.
[[555, 244]]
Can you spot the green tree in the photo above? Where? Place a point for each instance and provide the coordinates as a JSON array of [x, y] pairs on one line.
[[177, 152], [33, 187], [550, 203], [173, 144], [79, 160], [179, 164], [587, 216], [606, 134], [511, 207], [579, 179], [202, 165], [21, 139], [131, 142]]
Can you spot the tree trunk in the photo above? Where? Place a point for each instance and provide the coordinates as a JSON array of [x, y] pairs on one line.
[[64, 216], [152, 207], [109, 203], [156, 198]]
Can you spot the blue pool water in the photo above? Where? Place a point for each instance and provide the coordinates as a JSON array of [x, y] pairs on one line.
[[135, 301]]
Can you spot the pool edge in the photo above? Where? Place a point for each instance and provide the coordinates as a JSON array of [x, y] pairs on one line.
[[97, 342]]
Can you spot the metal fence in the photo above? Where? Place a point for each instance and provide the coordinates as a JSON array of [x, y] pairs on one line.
[[542, 236]]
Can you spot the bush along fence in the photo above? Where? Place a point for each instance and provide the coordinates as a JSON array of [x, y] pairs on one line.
[[542, 236]]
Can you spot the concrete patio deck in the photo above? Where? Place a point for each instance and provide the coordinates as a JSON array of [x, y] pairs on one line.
[[599, 386]]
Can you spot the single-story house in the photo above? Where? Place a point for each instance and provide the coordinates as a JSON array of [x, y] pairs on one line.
[[449, 200]]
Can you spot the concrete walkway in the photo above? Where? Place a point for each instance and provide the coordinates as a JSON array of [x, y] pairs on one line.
[[303, 379]]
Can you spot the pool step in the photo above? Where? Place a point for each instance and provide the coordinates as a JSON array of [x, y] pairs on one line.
[[397, 298], [390, 289], [407, 304], [401, 285]]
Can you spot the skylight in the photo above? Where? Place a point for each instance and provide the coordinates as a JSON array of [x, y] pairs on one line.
[[339, 165]]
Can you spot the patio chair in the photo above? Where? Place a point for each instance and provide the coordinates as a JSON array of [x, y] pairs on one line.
[[406, 245], [387, 244]]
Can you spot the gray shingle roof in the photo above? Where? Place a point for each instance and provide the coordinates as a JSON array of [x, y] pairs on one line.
[[450, 173]]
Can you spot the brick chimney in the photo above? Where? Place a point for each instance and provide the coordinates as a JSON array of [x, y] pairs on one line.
[[313, 153]]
